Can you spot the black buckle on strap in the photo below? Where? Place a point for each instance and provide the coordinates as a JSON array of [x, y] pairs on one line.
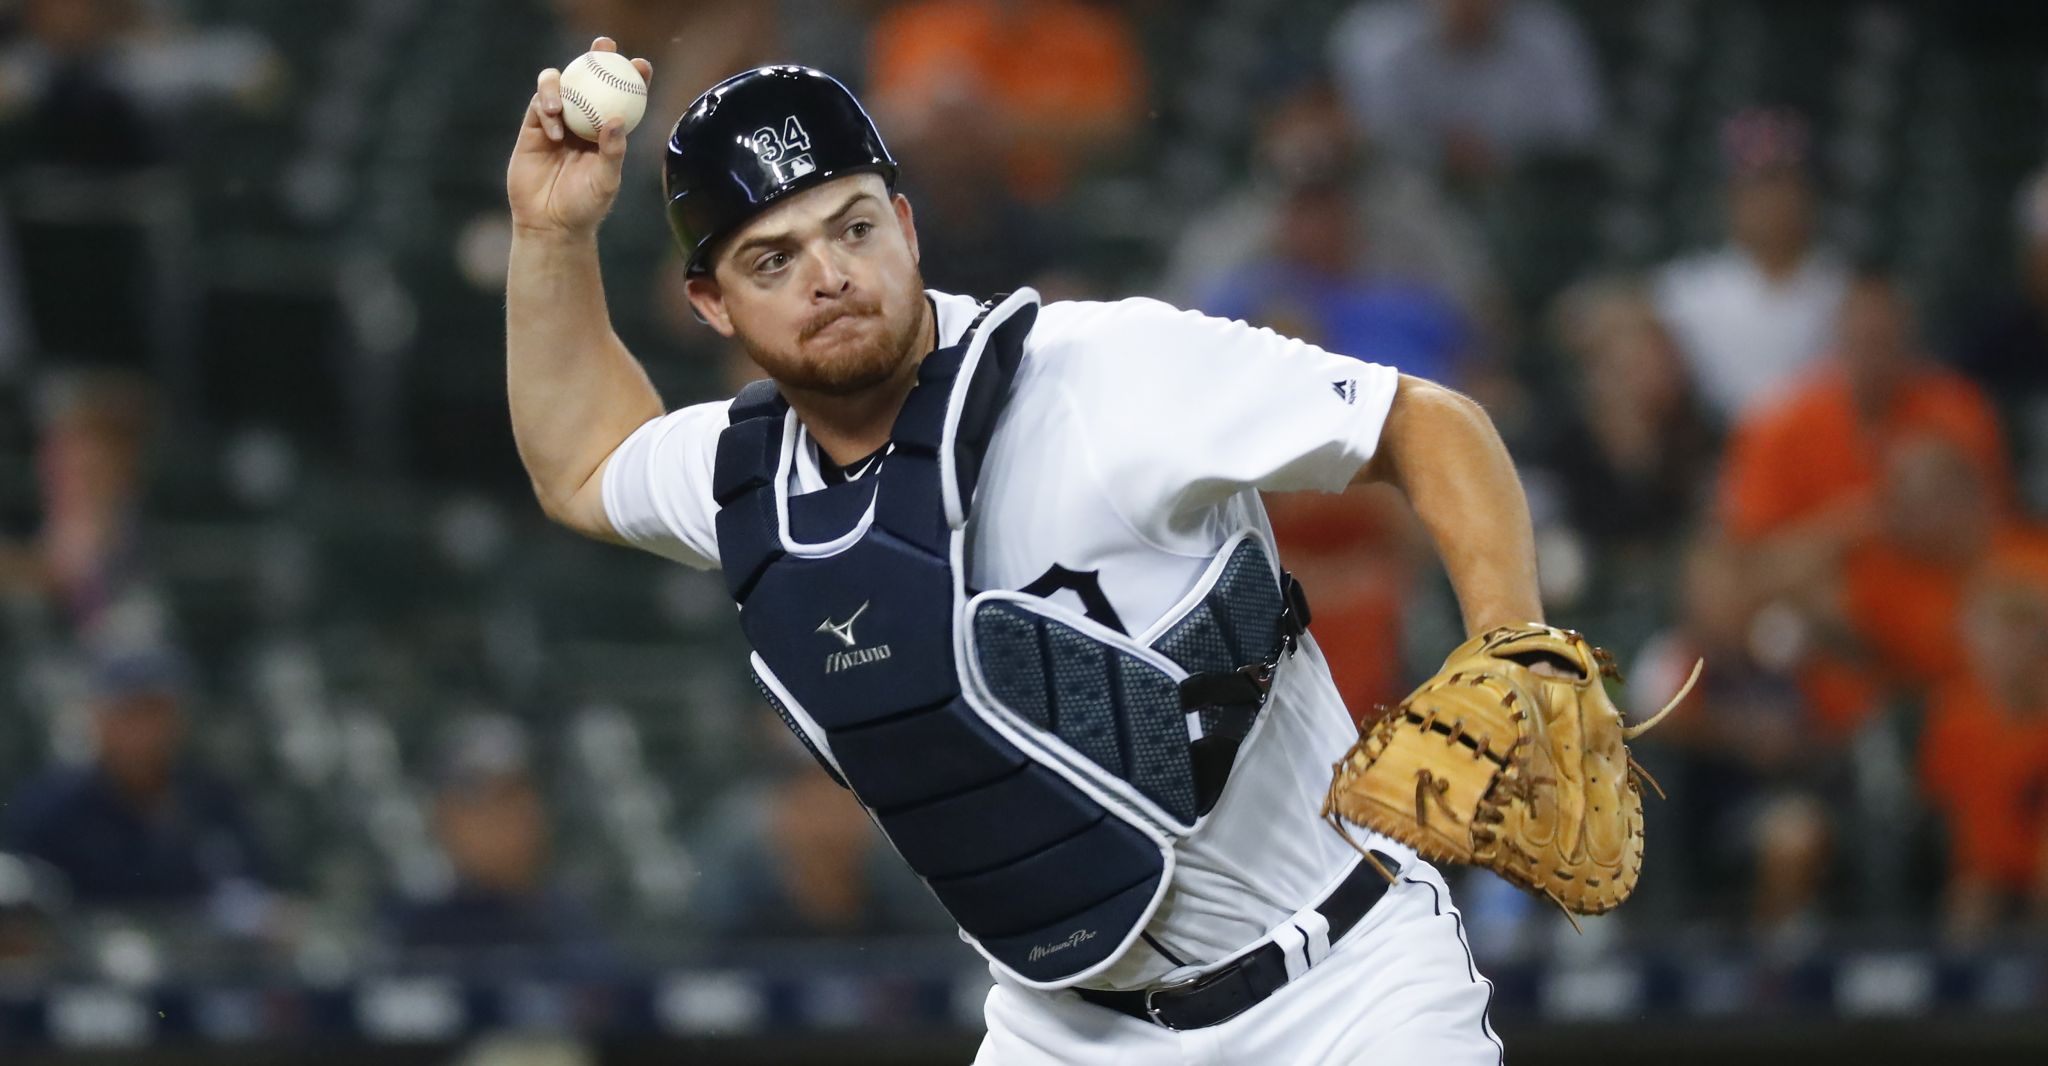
[[1245, 686], [1248, 685], [1294, 612]]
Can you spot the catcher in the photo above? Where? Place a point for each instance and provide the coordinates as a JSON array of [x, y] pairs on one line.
[[1005, 571]]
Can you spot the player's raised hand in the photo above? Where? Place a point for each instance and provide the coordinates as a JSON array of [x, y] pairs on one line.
[[558, 182]]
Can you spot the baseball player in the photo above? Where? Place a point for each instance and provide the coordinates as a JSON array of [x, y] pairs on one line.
[[1005, 571]]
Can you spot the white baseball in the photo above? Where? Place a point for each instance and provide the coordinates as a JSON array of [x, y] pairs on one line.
[[598, 86]]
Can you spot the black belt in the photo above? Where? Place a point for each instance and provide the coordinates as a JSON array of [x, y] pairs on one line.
[[1216, 997]]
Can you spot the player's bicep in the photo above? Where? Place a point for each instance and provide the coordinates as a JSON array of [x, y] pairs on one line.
[[1415, 405]]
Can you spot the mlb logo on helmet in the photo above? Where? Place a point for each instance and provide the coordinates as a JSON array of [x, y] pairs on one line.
[[792, 169]]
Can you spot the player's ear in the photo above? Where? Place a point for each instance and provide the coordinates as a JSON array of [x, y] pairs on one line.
[[708, 300], [908, 224]]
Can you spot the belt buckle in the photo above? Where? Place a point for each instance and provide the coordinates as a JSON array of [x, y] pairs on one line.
[[1152, 1009]]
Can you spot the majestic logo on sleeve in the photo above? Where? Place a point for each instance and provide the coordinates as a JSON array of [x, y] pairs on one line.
[[854, 656], [1346, 390]]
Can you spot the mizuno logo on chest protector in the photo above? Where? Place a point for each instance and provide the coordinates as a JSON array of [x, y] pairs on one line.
[[857, 656], [843, 630], [847, 660]]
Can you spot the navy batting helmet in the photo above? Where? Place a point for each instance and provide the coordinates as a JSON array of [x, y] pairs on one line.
[[755, 138]]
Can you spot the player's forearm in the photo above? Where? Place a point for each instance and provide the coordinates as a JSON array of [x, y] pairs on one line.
[[575, 391], [1442, 451]]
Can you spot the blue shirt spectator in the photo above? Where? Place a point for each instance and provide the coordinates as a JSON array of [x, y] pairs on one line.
[[1309, 285], [502, 908], [137, 825], [1404, 324]]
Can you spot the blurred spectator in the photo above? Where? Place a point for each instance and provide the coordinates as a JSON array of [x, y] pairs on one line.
[[1040, 87], [1635, 454], [1408, 229], [1386, 269], [793, 855], [1470, 86], [1804, 492], [1807, 463], [1750, 316], [1984, 755], [502, 906], [139, 825], [1307, 286], [2007, 350], [1902, 586], [89, 468], [1745, 764]]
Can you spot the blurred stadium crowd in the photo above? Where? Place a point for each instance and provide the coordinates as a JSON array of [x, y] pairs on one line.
[[292, 674]]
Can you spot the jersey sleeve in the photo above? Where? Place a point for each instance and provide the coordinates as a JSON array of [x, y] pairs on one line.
[[1184, 410], [656, 485]]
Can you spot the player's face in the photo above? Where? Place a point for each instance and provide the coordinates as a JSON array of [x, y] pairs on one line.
[[823, 290]]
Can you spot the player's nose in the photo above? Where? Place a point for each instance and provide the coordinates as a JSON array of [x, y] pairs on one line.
[[829, 276]]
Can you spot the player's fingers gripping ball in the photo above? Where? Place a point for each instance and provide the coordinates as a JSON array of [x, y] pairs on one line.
[[602, 86], [1504, 762]]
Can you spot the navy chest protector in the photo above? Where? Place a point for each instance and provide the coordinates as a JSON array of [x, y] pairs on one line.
[[1032, 766]]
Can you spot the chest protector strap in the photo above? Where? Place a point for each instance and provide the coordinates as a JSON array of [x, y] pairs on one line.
[[1032, 766]]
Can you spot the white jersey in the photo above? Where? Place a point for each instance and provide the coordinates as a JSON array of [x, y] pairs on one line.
[[1134, 445]]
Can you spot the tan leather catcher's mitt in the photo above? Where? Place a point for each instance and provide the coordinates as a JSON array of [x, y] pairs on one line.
[[1494, 764]]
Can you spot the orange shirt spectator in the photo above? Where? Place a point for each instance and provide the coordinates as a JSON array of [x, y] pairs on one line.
[[1984, 754], [1907, 608], [1814, 451], [1901, 586], [1986, 767], [1864, 498], [1055, 77]]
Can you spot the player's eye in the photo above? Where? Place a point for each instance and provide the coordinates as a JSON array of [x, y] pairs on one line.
[[770, 263], [860, 229]]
